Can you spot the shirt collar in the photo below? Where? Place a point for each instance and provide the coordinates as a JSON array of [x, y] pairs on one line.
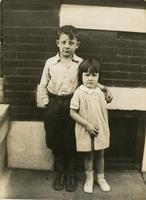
[[88, 90], [57, 58]]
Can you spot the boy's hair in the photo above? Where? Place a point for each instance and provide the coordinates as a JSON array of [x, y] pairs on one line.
[[89, 64], [69, 30]]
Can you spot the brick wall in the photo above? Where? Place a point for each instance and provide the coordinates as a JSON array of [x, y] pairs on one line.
[[122, 54], [29, 28]]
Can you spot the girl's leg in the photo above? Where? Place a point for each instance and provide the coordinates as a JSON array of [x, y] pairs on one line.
[[88, 165], [99, 161]]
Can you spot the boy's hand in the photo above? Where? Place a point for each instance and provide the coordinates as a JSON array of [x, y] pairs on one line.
[[92, 129], [108, 95]]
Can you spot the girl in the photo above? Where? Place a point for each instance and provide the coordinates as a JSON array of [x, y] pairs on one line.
[[88, 109]]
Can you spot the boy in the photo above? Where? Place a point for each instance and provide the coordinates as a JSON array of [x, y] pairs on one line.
[[58, 82]]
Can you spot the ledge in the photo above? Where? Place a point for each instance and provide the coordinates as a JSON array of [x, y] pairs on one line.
[[128, 99], [107, 18]]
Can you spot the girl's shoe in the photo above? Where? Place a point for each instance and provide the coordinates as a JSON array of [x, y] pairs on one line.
[[88, 186], [104, 186]]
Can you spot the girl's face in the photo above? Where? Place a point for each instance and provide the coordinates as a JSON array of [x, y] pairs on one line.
[[90, 80], [67, 46]]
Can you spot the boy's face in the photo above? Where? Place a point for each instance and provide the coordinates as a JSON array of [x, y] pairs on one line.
[[67, 46]]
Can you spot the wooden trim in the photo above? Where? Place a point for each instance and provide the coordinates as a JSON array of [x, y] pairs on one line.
[[104, 18]]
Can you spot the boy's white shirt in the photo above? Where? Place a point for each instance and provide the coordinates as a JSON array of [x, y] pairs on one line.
[[64, 79]]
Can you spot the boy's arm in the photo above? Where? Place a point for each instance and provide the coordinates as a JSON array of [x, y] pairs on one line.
[[107, 92], [43, 85]]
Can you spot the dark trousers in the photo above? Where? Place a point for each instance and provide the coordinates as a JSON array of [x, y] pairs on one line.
[[59, 127]]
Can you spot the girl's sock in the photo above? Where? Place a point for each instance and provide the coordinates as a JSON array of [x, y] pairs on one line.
[[104, 186], [88, 186]]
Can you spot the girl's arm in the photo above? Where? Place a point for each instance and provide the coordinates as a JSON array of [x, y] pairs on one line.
[[92, 129]]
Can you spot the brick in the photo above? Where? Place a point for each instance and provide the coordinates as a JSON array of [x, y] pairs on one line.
[[20, 102], [24, 63], [116, 59], [9, 55], [124, 67], [31, 39], [137, 60], [30, 31], [34, 47], [31, 2], [32, 55], [20, 94], [23, 71], [20, 87], [131, 52], [116, 75], [131, 36], [131, 44], [22, 80], [104, 50], [38, 5], [137, 76], [123, 83], [38, 19], [27, 55]]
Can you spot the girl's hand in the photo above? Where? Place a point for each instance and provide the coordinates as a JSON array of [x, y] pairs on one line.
[[92, 129]]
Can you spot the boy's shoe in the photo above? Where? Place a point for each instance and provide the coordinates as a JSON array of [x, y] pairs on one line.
[[59, 181], [71, 182], [88, 186], [104, 186]]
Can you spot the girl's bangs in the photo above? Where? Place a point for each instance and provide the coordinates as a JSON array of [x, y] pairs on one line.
[[91, 69]]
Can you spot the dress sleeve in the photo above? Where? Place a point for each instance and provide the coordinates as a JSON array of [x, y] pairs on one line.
[[75, 101]]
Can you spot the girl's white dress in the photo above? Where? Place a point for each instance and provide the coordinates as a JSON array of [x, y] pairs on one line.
[[91, 105]]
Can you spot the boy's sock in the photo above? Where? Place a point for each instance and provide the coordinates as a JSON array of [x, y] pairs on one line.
[[104, 186], [88, 186]]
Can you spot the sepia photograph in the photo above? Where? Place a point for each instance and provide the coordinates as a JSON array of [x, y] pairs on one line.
[[73, 99]]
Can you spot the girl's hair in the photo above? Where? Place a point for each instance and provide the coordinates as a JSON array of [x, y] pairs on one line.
[[69, 30], [91, 65]]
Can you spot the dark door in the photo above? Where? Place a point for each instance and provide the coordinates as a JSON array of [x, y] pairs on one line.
[[127, 140]]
